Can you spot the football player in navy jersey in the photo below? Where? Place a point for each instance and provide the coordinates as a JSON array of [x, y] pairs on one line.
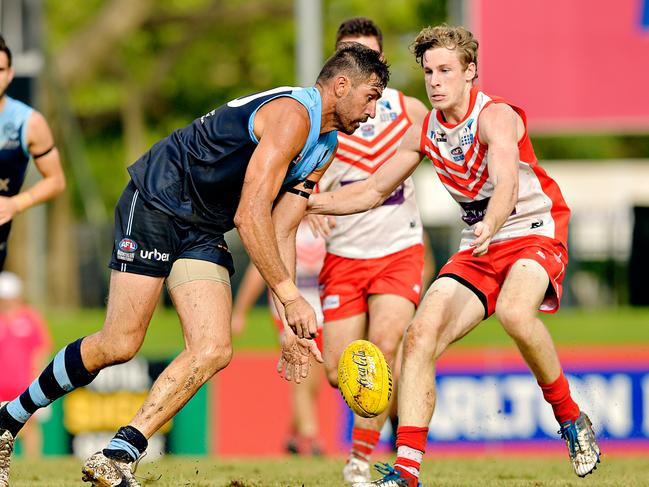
[[251, 164], [24, 135]]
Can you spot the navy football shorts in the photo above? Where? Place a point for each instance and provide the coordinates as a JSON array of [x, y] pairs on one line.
[[148, 241]]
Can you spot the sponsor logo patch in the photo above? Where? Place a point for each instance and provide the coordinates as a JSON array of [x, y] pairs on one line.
[[155, 254], [331, 302], [127, 245], [457, 154], [126, 249], [367, 130], [126, 256], [438, 136]]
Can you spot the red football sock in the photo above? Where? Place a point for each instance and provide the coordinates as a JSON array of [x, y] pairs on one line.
[[557, 393], [363, 442], [411, 445]]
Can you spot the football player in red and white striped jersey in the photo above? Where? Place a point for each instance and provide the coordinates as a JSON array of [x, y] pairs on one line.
[[512, 255]]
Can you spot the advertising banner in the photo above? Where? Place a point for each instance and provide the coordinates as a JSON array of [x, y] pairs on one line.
[[573, 66], [488, 402]]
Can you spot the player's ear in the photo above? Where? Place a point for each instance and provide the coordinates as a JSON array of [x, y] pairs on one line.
[[342, 85], [469, 72]]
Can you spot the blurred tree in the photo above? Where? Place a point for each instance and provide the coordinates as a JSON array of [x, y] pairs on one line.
[[126, 73], [135, 71]]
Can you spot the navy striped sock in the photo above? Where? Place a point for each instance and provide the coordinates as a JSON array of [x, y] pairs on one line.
[[127, 445], [63, 374]]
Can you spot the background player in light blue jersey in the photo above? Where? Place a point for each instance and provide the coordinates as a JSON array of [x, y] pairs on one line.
[[24, 135], [251, 163]]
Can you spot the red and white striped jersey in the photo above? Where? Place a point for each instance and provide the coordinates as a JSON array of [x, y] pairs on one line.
[[396, 224], [461, 161]]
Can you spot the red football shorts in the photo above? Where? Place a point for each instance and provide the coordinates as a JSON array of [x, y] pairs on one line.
[[345, 284], [485, 275]]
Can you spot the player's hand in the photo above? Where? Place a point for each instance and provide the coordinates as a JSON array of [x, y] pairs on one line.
[[8, 209], [321, 224], [483, 233], [295, 359], [301, 317]]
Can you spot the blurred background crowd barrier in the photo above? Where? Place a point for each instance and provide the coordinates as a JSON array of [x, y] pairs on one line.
[[114, 76]]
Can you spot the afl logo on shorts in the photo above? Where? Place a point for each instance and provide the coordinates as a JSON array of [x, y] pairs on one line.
[[126, 249], [127, 245]]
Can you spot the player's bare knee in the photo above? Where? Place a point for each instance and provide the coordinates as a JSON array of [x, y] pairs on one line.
[[214, 358], [515, 321], [107, 349], [420, 339], [331, 372], [388, 345], [118, 352]]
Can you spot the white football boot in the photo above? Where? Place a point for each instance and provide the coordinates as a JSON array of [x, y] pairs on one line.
[[356, 470], [582, 445]]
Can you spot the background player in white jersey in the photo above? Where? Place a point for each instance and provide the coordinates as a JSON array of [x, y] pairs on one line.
[[309, 255], [371, 280], [24, 135], [512, 255]]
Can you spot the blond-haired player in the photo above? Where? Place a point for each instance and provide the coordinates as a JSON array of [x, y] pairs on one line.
[[512, 255]]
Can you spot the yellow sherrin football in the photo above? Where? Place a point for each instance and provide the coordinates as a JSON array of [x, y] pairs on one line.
[[364, 379]]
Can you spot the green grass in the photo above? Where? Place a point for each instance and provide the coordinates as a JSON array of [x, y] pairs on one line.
[[569, 326], [289, 472], [164, 337]]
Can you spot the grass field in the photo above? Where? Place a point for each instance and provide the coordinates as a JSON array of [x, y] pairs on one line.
[[569, 326], [291, 471]]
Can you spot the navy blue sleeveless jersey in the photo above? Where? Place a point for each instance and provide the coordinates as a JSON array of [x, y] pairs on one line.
[[14, 153], [196, 173]]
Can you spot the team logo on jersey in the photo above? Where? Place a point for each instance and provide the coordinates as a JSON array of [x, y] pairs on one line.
[[457, 154], [367, 130], [438, 136], [388, 117], [466, 136], [12, 134], [10, 131]]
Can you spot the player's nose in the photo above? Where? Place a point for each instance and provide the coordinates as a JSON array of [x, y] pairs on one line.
[[371, 109]]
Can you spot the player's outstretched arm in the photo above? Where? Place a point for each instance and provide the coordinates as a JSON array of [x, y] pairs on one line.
[[40, 143], [294, 362], [281, 127], [499, 130], [372, 192]]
